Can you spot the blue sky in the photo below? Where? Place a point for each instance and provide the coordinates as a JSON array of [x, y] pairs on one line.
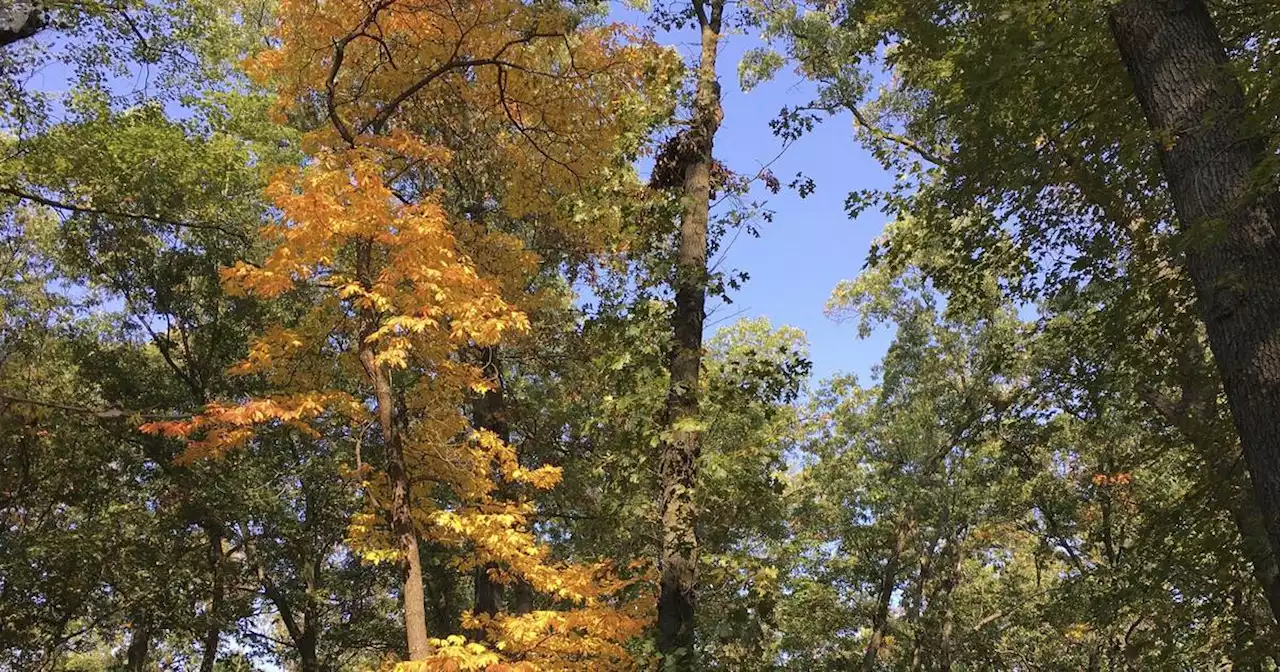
[[812, 244]]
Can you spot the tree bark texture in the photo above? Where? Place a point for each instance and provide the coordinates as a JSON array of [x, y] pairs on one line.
[[679, 451], [22, 19], [1212, 161]]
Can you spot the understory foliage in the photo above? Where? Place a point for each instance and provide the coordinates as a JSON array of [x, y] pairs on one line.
[[336, 335]]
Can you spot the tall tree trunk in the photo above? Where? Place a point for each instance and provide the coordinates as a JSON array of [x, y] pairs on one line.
[[412, 594], [678, 460], [1211, 159], [884, 595], [213, 629], [1196, 414], [1196, 417]]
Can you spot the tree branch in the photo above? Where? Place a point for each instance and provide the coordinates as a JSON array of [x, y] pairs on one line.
[[80, 209], [860, 119], [103, 413]]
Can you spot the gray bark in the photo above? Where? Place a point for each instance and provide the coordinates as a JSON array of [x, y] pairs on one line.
[[1212, 159], [22, 19]]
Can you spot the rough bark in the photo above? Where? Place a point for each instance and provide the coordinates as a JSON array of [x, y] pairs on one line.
[[679, 451], [1197, 417], [1211, 160], [412, 595], [21, 20]]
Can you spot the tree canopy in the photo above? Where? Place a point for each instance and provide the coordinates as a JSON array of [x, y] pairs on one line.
[[381, 335]]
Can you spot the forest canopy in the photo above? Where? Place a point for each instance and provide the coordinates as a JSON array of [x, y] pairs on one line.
[[401, 335]]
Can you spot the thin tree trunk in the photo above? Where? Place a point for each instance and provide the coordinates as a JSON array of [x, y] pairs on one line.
[[213, 629], [488, 412], [915, 606], [303, 632], [884, 595], [139, 643], [412, 594], [1211, 158], [946, 636], [678, 460], [308, 640]]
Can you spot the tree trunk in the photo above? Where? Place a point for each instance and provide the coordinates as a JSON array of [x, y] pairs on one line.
[[888, 582], [309, 638], [1197, 419], [488, 599], [1211, 159], [412, 594], [1196, 414], [213, 629], [307, 648], [139, 643], [521, 599], [487, 412], [946, 635], [915, 605], [678, 459]]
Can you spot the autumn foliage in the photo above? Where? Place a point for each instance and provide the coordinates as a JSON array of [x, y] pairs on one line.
[[367, 229]]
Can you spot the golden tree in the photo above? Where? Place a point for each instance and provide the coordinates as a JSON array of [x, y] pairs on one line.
[[392, 273]]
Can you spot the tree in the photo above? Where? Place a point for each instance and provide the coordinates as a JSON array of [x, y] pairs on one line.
[[690, 156], [1041, 204], [1217, 164], [366, 228], [1014, 505]]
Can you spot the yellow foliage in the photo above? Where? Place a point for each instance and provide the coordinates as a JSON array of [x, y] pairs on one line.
[[548, 111]]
